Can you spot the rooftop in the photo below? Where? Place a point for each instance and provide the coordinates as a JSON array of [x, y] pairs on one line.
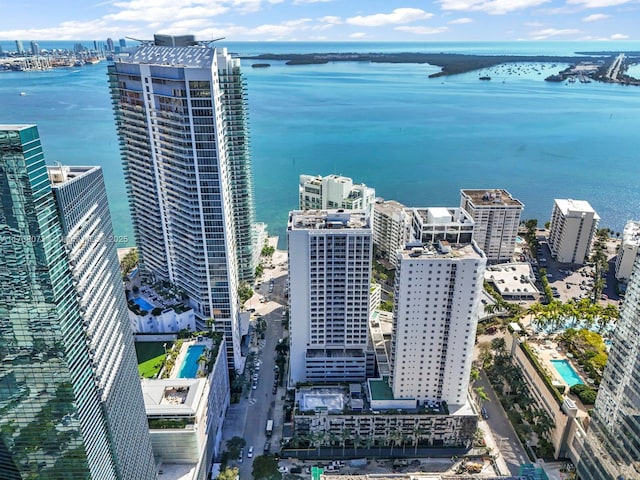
[[443, 216], [512, 279], [196, 56], [328, 220], [631, 233], [380, 389], [173, 396], [389, 207], [60, 174], [488, 196], [573, 206], [444, 250], [15, 127]]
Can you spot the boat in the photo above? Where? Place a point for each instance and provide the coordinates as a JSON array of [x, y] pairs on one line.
[[486, 77], [22, 94], [92, 60], [260, 65]]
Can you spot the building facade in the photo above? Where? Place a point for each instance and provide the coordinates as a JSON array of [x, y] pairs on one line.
[[334, 192], [60, 399], [436, 307], [329, 279], [391, 229], [182, 124], [454, 225], [612, 448], [574, 224], [628, 250], [497, 217]]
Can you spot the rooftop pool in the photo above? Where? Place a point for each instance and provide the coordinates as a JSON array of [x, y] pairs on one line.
[[143, 304], [566, 371], [189, 367]]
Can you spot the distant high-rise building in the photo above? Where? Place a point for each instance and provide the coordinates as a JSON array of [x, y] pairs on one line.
[[436, 306], [95, 45], [65, 378], [35, 48], [574, 224], [109, 44], [329, 281], [611, 450], [628, 250], [391, 229], [182, 123], [334, 191], [123, 43], [19, 47], [497, 217]]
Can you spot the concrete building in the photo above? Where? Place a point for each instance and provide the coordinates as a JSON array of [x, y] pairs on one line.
[[71, 400], [573, 226], [181, 118], [513, 281], [611, 448], [454, 225], [329, 279], [497, 217], [391, 229], [334, 192], [186, 414], [628, 250], [436, 307]]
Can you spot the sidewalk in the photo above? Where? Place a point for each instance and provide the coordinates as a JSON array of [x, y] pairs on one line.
[[501, 465]]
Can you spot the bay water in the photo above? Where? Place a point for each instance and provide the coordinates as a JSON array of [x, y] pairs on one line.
[[415, 139]]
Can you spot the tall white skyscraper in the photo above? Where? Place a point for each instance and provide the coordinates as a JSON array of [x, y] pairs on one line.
[[628, 250], [70, 398], [330, 280], [81, 200], [182, 124], [436, 305], [497, 217], [611, 450], [574, 224]]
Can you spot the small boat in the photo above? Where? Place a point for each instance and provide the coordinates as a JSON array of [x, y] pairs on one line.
[[485, 78], [22, 94]]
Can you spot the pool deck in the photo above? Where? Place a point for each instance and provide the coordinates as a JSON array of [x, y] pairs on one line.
[[548, 351], [183, 353]]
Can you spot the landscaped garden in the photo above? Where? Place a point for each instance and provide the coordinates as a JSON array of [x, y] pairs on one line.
[[151, 357]]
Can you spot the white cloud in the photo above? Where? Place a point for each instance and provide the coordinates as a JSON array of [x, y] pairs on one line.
[[398, 16], [553, 32], [595, 17], [598, 3], [460, 21], [421, 30], [303, 2], [331, 19], [619, 36], [358, 35], [492, 7]]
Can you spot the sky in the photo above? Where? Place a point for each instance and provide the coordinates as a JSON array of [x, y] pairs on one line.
[[324, 20]]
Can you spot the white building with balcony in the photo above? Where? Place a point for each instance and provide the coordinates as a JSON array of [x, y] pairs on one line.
[[334, 192], [391, 229], [574, 224], [628, 250]]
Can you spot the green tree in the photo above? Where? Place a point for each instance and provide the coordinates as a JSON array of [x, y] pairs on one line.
[[235, 445], [244, 292], [265, 467], [228, 474]]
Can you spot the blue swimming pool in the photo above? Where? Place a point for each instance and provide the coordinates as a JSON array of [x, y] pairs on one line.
[[519, 240], [567, 372], [143, 304], [189, 367]]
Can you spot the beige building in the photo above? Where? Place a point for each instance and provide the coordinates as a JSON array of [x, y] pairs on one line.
[[628, 250], [573, 226], [497, 218], [391, 227]]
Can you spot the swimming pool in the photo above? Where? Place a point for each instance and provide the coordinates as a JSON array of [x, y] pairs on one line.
[[189, 367], [143, 304], [567, 372], [519, 240]]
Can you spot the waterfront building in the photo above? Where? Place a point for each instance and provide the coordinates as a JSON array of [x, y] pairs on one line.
[[329, 279], [428, 225], [334, 192], [109, 44], [35, 48], [574, 224], [182, 123], [436, 306], [70, 409], [391, 229], [628, 250], [19, 47], [610, 450], [497, 217], [186, 411], [513, 281], [122, 43]]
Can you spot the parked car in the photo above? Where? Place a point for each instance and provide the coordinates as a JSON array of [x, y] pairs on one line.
[[241, 455], [250, 452], [485, 415]]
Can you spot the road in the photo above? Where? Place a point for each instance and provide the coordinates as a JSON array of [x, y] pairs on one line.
[[504, 435], [614, 69]]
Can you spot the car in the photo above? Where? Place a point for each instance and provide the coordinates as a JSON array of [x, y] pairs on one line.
[[267, 446], [254, 386], [255, 377], [250, 452], [283, 469], [241, 455], [274, 390], [252, 310], [284, 313], [485, 415]]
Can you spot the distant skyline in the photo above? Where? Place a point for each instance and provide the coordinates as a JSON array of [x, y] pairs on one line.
[[324, 20]]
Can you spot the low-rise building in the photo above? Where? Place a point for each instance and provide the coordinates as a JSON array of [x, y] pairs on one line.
[[628, 250], [513, 281], [334, 192]]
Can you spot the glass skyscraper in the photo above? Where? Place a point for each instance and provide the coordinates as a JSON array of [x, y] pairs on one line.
[[181, 120], [612, 448], [54, 405]]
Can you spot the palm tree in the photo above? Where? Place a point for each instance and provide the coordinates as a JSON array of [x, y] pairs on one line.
[[357, 442], [394, 437], [346, 435], [417, 433]]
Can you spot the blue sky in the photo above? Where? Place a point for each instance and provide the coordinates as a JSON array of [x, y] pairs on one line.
[[328, 20]]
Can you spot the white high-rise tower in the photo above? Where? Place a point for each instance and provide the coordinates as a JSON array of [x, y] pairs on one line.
[[181, 117]]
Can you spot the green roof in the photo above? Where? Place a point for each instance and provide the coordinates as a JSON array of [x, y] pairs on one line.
[[316, 472], [380, 389]]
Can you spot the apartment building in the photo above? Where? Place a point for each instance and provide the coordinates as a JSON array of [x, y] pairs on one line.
[[574, 224], [334, 192], [628, 251], [391, 229]]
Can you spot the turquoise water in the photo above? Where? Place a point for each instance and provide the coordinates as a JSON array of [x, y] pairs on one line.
[[567, 372], [519, 240], [414, 139], [143, 304], [189, 366]]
